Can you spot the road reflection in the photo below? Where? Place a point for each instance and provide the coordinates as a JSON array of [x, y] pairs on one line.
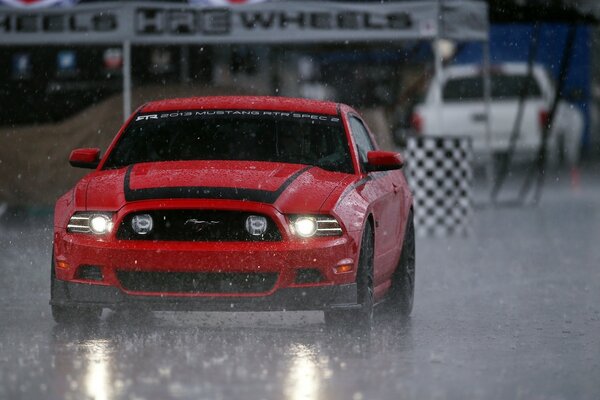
[[98, 382], [303, 379], [192, 355]]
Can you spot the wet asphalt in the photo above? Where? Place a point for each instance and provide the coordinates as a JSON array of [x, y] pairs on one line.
[[510, 312]]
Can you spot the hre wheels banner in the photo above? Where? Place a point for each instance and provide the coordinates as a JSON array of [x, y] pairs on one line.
[[37, 3]]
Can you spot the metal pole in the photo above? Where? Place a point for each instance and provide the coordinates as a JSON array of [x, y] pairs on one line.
[[565, 65], [126, 79], [487, 94], [502, 168], [184, 64], [437, 65]]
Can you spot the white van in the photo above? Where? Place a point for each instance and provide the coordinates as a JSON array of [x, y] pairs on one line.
[[461, 110]]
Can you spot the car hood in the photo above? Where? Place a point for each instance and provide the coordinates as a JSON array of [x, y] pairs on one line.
[[292, 188]]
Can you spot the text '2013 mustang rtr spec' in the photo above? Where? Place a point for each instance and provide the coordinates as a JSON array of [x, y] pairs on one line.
[[236, 203]]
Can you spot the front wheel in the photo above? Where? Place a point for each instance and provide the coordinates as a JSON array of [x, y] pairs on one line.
[[362, 317]]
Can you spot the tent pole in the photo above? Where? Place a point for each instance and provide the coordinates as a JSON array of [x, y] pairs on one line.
[[184, 64], [126, 79], [487, 94], [437, 65]]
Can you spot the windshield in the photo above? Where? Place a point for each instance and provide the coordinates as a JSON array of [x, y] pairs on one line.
[[503, 87], [274, 136]]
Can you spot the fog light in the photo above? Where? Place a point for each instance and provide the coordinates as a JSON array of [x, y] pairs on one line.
[[100, 224], [142, 224], [256, 225]]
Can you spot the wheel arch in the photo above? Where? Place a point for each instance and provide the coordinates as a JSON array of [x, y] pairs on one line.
[[369, 221]]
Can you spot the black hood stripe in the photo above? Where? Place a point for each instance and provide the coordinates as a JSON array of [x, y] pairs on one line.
[[360, 182], [353, 186], [207, 192]]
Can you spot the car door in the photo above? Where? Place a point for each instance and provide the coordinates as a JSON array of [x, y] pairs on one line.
[[384, 197]]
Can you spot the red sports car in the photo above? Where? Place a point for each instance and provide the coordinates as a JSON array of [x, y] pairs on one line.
[[236, 203]]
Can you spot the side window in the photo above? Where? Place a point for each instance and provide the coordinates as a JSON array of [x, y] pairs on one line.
[[362, 139]]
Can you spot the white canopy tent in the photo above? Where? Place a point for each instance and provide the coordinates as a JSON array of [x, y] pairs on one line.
[[276, 22]]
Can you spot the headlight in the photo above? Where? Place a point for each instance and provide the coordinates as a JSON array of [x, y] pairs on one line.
[[320, 225], [305, 226], [256, 225], [98, 223], [142, 224]]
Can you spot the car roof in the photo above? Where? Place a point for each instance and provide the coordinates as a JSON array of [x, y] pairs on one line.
[[243, 103]]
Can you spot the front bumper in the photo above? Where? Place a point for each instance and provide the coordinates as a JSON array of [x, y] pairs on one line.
[[285, 259], [285, 299]]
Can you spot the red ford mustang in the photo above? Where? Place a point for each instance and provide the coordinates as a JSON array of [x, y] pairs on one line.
[[236, 203]]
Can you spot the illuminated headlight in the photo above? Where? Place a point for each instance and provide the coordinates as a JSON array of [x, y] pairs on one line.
[[320, 225], [256, 225], [142, 224], [98, 223], [305, 226]]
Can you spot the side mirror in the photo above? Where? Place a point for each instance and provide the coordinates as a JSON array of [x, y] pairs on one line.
[[85, 158], [384, 161]]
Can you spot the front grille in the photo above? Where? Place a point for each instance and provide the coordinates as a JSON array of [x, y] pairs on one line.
[[196, 282], [197, 226]]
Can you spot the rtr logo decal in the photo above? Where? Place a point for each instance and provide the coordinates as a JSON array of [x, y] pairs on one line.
[[37, 3], [146, 117]]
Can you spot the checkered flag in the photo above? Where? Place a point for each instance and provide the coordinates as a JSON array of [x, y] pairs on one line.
[[439, 172]]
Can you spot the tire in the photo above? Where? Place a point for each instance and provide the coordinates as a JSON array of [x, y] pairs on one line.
[[402, 291], [71, 314], [362, 317]]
